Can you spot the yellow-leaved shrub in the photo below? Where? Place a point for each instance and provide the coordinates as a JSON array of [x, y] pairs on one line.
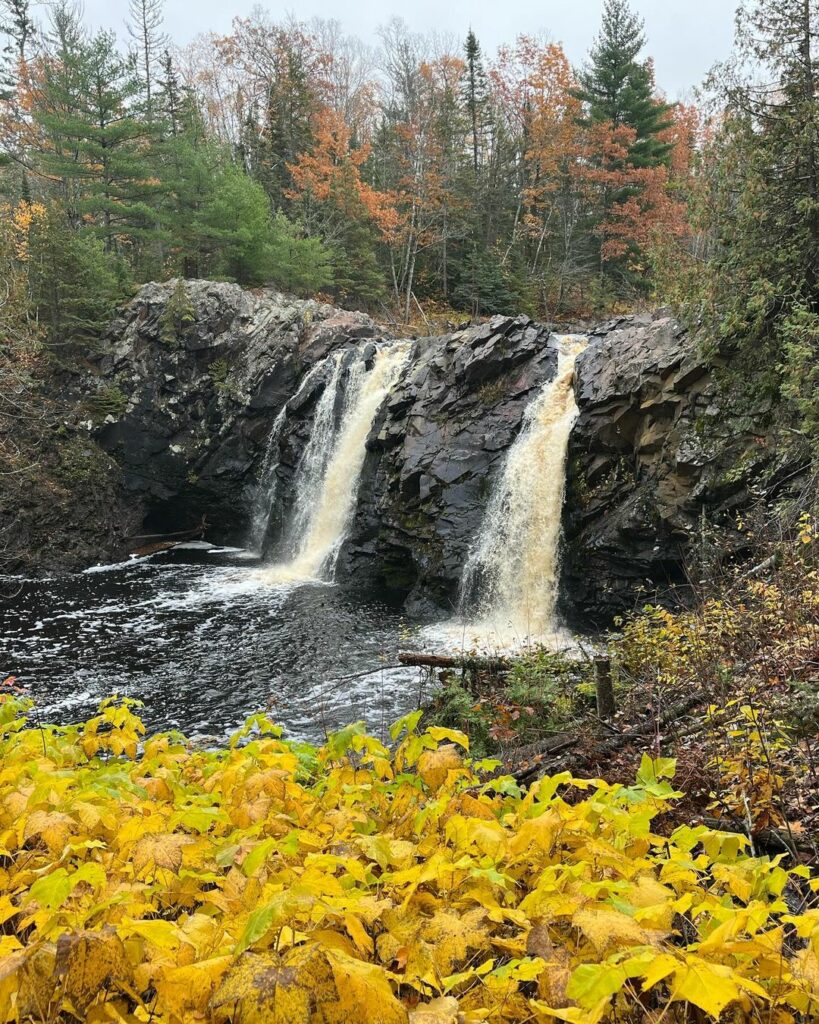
[[145, 880]]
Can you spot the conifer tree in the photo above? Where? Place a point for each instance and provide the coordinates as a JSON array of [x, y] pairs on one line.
[[145, 28], [758, 294], [475, 94], [16, 32], [625, 126], [618, 89], [90, 139], [74, 283]]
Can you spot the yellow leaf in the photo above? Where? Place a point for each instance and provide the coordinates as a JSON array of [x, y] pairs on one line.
[[52, 827], [159, 851], [443, 1010], [607, 928], [556, 972], [308, 984], [87, 962], [183, 991], [453, 735], [434, 766], [709, 986]]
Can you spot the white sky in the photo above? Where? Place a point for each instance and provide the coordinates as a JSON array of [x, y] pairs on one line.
[[685, 37]]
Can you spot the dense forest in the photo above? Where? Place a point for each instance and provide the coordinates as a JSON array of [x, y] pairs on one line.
[[420, 174]]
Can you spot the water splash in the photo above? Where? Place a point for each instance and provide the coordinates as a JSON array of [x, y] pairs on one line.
[[510, 581], [326, 483]]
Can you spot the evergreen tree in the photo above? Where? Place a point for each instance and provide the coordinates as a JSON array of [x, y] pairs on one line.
[[286, 130], [91, 141], [758, 294], [483, 287], [475, 95], [298, 263], [16, 32], [171, 93], [74, 283], [618, 90], [357, 278], [625, 123]]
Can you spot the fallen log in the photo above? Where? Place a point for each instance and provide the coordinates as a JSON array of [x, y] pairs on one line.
[[544, 752], [475, 663], [189, 534]]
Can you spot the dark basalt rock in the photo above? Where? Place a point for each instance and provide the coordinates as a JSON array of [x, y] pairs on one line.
[[655, 452], [203, 393], [432, 455], [659, 464]]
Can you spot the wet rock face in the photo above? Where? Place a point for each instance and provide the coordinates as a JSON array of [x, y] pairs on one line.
[[656, 464], [434, 452], [201, 374], [196, 383]]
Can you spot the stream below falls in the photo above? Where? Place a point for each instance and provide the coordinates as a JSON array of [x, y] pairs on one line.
[[204, 640]]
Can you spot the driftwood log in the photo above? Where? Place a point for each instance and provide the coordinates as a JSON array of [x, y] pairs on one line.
[[474, 663]]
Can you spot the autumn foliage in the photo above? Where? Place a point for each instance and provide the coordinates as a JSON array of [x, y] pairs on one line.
[[144, 879]]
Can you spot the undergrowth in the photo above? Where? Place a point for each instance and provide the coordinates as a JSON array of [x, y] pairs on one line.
[[145, 880], [742, 664]]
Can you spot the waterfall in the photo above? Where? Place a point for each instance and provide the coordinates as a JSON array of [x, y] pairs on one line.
[[510, 580], [326, 481], [313, 463], [264, 500]]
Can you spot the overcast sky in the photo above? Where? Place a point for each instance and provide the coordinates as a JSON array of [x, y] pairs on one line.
[[685, 37]]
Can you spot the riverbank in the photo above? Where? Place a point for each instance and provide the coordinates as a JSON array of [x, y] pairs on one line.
[[728, 688]]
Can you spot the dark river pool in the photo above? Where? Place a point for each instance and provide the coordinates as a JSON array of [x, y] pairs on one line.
[[204, 641]]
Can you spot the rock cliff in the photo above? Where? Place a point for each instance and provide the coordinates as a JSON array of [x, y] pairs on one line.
[[660, 462], [189, 383], [193, 378]]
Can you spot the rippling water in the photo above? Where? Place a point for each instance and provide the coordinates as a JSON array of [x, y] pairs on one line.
[[204, 641]]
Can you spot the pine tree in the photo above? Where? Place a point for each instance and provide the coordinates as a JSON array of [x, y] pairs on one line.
[[90, 139], [483, 287], [475, 95], [625, 125], [18, 29], [74, 283], [758, 294], [287, 116], [145, 28], [618, 90]]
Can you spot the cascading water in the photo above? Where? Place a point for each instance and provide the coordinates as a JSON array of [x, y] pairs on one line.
[[267, 487], [510, 581], [327, 478], [313, 463]]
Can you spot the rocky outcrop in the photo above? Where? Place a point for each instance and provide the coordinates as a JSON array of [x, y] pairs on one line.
[[435, 451], [661, 459], [191, 378]]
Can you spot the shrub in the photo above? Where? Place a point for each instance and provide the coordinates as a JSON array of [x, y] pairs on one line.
[[144, 879]]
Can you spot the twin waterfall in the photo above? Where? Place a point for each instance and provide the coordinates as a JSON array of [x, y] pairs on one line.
[[510, 580]]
